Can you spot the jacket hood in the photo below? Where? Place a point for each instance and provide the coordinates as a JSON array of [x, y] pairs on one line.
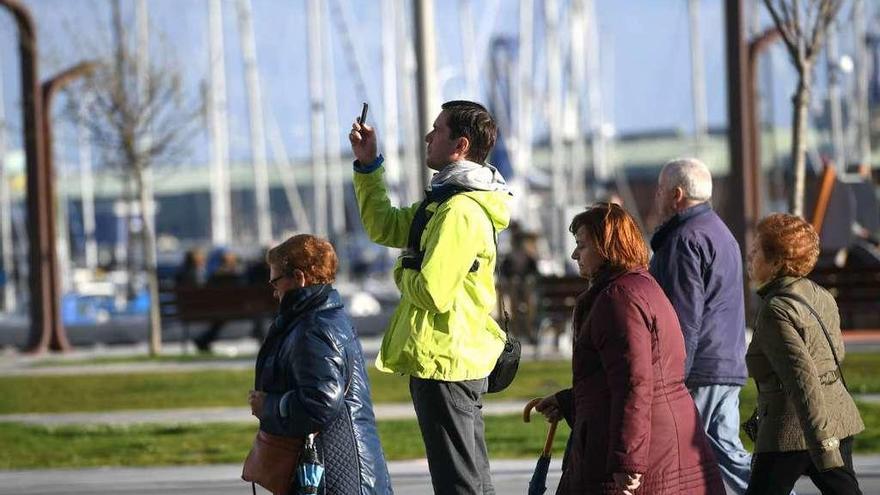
[[471, 176], [495, 204], [482, 183]]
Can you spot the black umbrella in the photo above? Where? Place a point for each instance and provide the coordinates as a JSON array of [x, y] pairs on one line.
[[538, 483]]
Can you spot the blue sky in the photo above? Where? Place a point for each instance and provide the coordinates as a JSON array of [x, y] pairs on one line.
[[645, 58]]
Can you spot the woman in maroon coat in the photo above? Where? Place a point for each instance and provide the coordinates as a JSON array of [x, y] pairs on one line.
[[635, 429]]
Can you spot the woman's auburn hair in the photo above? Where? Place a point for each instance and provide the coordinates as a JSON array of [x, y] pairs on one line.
[[312, 255], [617, 238], [789, 241]]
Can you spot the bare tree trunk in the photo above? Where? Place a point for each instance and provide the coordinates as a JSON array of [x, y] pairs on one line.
[[801, 102], [148, 244], [128, 257]]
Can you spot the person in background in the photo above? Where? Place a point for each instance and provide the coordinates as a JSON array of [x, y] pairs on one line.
[[227, 274], [192, 272], [310, 371], [634, 427], [698, 263], [806, 416], [255, 274], [519, 272]]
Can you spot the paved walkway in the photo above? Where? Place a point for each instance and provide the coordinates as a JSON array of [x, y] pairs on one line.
[[408, 477], [215, 415], [383, 412]]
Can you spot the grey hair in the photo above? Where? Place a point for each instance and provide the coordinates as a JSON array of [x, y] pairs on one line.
[[691, 175]]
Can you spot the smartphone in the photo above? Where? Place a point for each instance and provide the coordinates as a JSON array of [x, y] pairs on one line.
[[363, 118]]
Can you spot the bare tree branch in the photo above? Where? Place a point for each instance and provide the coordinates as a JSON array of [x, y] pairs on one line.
[[783, 23], [803, 27], [791, 17], [826, 13]]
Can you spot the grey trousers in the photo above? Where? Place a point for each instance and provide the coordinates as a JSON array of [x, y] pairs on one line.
[[450, 416]]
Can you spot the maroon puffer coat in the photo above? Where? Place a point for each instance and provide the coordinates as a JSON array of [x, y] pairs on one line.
[[629, 409]]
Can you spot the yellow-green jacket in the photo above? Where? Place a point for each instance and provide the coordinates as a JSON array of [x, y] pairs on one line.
[[442, 329]]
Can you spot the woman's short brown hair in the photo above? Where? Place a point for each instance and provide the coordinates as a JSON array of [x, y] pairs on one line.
[[313, 256], [617, 238], [789, 241]]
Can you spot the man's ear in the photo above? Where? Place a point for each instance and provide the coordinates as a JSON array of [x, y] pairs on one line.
[[462, 146], [678, 194]]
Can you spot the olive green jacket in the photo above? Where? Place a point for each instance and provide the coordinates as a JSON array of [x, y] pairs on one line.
[[802, 403]]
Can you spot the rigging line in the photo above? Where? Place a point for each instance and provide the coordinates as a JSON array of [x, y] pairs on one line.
[[342, 18]]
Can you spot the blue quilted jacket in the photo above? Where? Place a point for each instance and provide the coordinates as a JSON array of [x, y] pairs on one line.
[[312, 368]]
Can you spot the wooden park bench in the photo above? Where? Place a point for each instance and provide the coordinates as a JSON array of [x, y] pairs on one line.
[[190, 305], [554, 301], [857, 291]]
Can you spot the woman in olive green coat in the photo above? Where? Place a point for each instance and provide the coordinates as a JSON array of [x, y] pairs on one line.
[[806, 417]]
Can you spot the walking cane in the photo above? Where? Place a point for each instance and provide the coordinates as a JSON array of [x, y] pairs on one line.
[[538, 483]]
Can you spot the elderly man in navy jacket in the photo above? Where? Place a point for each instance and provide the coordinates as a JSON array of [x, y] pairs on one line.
[[699, 265]]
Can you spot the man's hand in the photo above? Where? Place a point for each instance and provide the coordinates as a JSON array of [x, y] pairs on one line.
[[256, 399], [549, 407], [363, 143], [627, 483]]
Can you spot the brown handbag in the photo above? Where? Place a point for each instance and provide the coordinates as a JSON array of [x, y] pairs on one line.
[[272, 461]]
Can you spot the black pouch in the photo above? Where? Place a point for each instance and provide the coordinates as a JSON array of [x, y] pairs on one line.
[[506, 366]]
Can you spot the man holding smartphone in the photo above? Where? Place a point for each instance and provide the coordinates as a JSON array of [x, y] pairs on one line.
[[442, 334]]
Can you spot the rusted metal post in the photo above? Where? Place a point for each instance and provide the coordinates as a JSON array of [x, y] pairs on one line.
[[57, 339], [739, 135], [757, 46], [44, 320], [743, 188]]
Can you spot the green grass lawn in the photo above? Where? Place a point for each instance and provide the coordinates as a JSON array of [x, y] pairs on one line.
[[228, 388], [168, 358], [34, 447], [213, 388]]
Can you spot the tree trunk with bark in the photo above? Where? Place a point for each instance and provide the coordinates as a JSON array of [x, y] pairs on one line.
[[148, 243], [801, 104]]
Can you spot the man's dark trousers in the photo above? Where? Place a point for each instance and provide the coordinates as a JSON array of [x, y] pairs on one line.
[[450, 416]]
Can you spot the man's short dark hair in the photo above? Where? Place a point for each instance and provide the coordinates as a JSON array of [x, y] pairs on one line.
[[473, 121]]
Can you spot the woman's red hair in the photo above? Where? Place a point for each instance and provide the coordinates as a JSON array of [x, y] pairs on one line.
[[313, 256], [617, 238]]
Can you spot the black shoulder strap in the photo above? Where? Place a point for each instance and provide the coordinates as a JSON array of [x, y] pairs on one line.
[[803, 301], [420, 220]]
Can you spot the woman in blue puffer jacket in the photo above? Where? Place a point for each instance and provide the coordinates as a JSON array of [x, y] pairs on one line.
[[310, 374]]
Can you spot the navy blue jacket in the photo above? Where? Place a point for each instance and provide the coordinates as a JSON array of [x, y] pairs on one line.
[[311, 367], [699, 265]]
